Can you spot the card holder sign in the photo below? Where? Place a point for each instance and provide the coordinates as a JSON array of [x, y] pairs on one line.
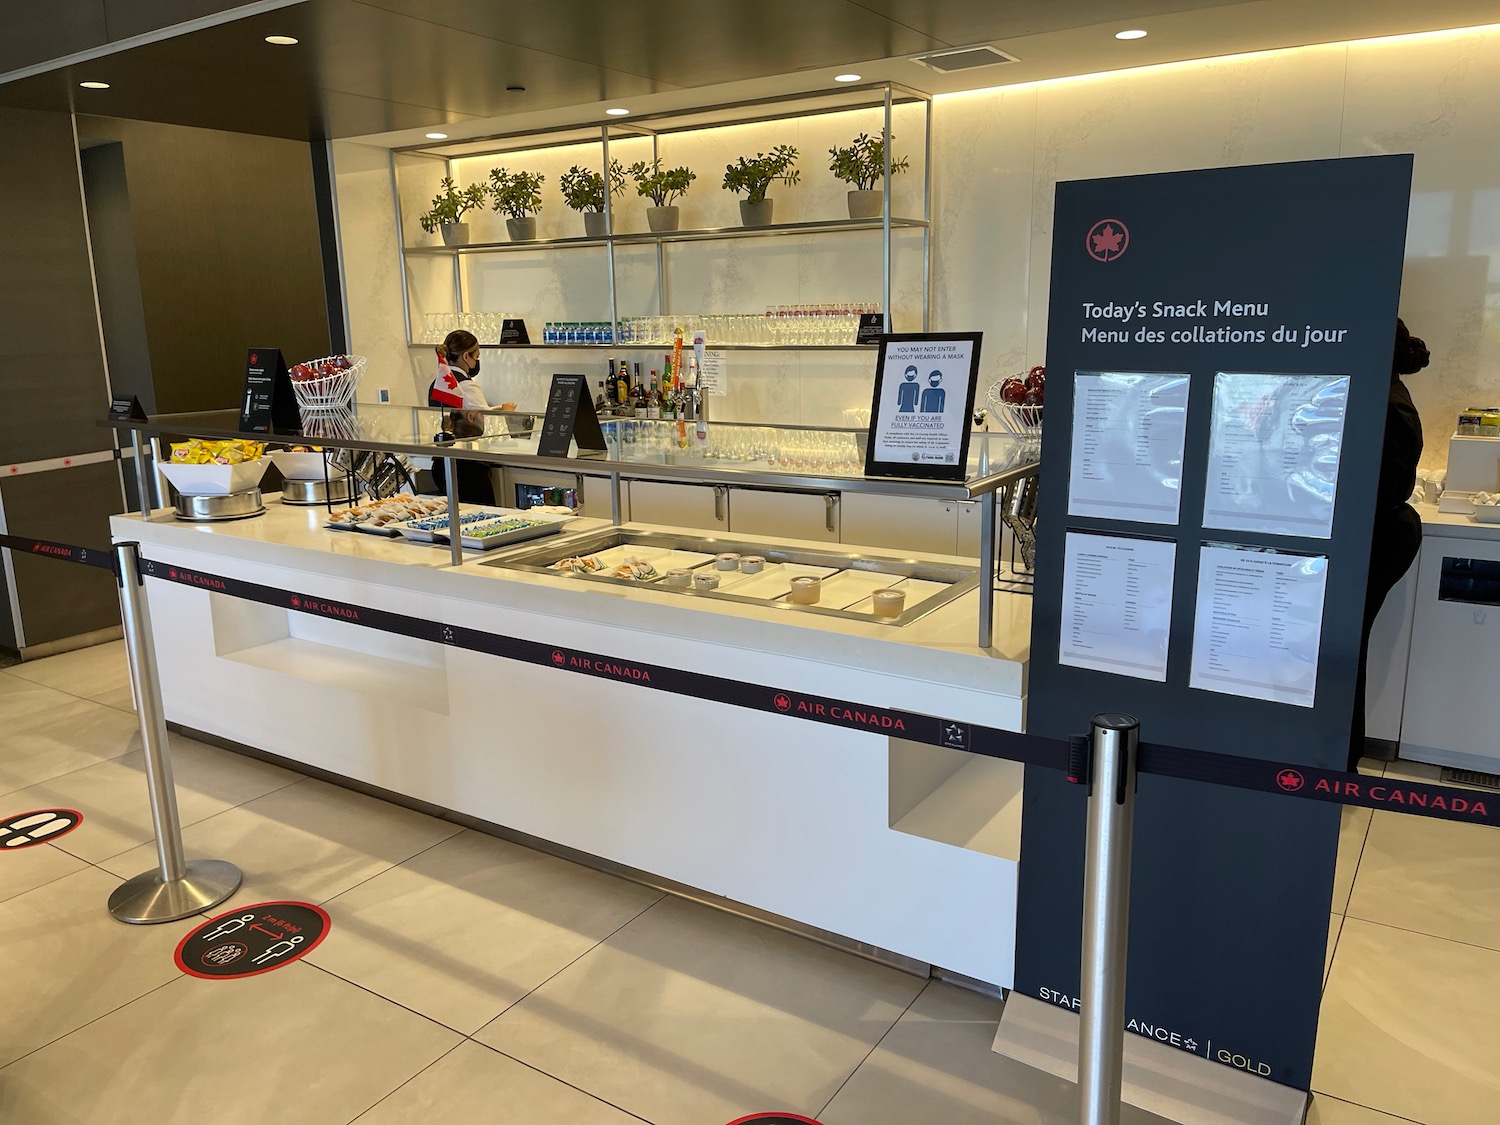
[[570, 416], [267, 403]]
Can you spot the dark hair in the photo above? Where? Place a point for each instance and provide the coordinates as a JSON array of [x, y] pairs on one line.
[[1411, 353], [457, 342]]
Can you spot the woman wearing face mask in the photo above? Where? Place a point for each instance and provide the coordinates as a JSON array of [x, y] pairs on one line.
[[456, 391]]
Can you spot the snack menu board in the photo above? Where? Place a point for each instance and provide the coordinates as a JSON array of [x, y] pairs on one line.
[[1117, 604], [1128, 432]]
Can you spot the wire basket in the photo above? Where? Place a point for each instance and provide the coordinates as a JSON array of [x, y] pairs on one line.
[[1018, 421], [326, 402]]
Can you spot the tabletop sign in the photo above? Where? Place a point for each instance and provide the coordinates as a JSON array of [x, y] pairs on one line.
[[250, 940], [38, 826], [126, 408], [570, 416], [871, 328], [514, 332], [924, 398], [267, 403]]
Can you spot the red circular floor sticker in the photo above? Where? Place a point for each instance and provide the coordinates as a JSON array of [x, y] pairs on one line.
[[774, 1119], [39, 826], [251, 940]]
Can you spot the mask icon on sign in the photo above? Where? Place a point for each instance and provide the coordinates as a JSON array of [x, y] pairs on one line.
[[934, 397]]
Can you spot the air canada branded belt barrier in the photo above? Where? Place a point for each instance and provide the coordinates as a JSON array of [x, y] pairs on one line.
[[1305, 782]]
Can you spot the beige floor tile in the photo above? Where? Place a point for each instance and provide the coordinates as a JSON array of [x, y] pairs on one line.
[[937, 1065], [464, 930], [689, 1015], [86, 672], [1331, 1111], [21, 699], [70, 734], [25, 869], [1354, 825], [1409, 1026], [1335, 924], [291, 1045], [307, 842], [1434, 876], [473, 1084], [68, 962], [113, 799], [121, 699]]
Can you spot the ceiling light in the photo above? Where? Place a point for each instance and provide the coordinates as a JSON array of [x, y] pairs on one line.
[[617, 111], [437, 136], [846, 77], [281, 40], [94, 85], [1133, 33], [515, 89]]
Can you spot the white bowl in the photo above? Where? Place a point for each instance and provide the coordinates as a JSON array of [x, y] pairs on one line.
[[215, 480], [299, 466], [1487, 513]]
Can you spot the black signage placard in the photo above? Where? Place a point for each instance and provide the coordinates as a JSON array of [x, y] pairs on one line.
[[570, 416], [514, 332], [924, 399], [38, 826], [126, 408], [1230, 889], [267, 403], [250, 940], [871, 328]]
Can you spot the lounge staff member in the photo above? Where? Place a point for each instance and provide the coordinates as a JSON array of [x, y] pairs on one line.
[[454, 389]]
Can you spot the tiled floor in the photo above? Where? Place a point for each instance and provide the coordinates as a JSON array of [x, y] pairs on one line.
[[469, 980]]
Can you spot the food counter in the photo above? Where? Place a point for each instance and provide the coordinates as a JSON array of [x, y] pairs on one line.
[[847, 829]]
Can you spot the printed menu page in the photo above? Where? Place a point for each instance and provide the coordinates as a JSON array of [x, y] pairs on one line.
[[1117, 604], [1273, 457], [1259, 623], [1128, 433]]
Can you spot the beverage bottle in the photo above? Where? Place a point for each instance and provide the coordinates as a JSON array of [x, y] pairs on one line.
[[600, 404], [653, 403]]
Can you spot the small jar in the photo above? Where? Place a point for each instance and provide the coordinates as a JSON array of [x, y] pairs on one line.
[[678, 579], [806, 590], [706, 581], [889, 603], [728, 561], [752, 564]]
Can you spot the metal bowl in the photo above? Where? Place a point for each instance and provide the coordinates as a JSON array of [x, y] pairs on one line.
[[311, 492], [210, 509]]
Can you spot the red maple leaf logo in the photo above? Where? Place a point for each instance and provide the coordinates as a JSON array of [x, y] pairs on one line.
[[559, 659], [296, 601], [1290, 780], [782, 702], [1107, 240]]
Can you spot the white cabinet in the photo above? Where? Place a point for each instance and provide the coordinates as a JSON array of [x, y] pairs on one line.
[[703, 506], [786, 515], [901, 523], [1385, 669]]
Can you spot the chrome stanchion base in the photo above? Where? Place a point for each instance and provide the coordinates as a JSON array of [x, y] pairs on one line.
[[146, 898]]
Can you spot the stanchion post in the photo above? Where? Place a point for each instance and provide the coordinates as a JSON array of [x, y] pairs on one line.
[[1114, 742], [177, 888], [455, 529]]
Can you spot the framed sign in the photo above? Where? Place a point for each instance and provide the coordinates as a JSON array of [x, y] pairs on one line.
[[268, 403], [924, 400]]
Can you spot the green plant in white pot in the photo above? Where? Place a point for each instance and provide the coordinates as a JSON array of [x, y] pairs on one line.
[[448, 209], [663, 186], [519, 196], [863, 165], [752, 178], [583, 191]]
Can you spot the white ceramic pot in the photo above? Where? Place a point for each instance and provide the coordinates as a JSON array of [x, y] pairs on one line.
[[661, 219], [756, 214], [866, 204], [594, 225]]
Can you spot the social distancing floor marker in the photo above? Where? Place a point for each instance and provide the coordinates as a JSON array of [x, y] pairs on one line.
[[39, 826], [250, 940]]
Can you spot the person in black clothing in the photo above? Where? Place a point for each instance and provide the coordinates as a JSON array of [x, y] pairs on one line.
[[1397, 533], [455, 390]]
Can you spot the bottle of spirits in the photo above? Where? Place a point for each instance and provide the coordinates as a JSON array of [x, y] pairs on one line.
[[653, 400], [600, 403]]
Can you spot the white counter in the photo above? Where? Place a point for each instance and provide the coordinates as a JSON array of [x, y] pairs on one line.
[[906, 847]]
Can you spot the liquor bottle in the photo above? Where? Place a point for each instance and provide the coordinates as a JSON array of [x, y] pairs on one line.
[[624, 383], [600, 403], [653, 400]]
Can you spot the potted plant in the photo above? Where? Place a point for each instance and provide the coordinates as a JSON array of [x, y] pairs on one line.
[[662, 186], [448, 207], [863, 165], [752, 177], [519, 195], [583, 190]]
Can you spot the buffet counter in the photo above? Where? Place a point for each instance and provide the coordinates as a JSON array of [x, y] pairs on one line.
[[901, 846]]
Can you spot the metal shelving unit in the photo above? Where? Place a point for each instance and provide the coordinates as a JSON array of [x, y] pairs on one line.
[[884, 96]]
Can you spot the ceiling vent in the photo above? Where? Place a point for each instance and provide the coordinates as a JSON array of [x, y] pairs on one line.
[[963, 58]]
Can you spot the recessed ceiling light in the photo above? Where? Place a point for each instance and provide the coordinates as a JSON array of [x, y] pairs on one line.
[[437, 136], [1133, 33], [94, 85], [617, 111], [846, 77], [281, 40]]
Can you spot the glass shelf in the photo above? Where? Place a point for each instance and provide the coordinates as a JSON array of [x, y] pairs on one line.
[[823, 226]]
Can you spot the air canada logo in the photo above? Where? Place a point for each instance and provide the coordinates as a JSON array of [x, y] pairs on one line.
[[1290, 780], [1107, 240], [782, 702], [558, 657], [254, 358], [296, 602]]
